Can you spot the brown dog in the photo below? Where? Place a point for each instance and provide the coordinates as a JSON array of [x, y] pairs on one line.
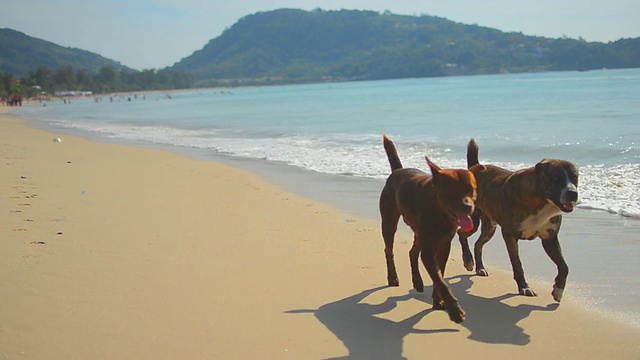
[[434, 207], [526, 204]]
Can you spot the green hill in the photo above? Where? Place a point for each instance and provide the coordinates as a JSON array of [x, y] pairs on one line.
[[20, 54], [293, 45], [288, 45]]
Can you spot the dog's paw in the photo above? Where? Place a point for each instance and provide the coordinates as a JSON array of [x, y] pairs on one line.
[[467, 260], [439, 305], [418, 285], [468, 265], [393, 282], [456, 314], [527, 292], [557, 294], [482, 272]]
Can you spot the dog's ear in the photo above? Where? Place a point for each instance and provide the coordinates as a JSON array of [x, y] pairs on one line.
[[541, 168], [435, 170]]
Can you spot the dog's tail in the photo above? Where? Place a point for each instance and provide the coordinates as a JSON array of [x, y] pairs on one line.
[[392, 154], [472, 154]]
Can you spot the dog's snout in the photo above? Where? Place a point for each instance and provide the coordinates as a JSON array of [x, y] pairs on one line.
[[571, 196], [467, 202]]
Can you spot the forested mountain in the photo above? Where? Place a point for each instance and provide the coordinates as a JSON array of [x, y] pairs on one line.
[[293, 45], [288, 45], [30, 66], [20, 54]]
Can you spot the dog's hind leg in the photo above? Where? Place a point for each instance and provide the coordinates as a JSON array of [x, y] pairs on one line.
[[388, 233], [389, 227], [487, 232], [414, 253], [390, 216]]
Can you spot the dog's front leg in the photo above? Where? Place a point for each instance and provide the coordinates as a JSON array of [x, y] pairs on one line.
[[463, 238], [551, 246], [518, 273], [467, 257], [440, 288], [442, 256]]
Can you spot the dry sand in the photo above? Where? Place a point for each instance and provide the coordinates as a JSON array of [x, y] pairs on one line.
[[116, 252]]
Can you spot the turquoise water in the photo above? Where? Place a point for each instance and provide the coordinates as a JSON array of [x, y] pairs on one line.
[[590, 118]]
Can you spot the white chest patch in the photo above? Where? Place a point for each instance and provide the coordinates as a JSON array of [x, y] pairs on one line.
[[539, 224]]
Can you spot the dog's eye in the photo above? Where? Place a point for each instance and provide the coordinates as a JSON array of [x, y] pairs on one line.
[[573, 179]]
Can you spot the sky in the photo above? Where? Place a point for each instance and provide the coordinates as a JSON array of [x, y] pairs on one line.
[[153, 34]]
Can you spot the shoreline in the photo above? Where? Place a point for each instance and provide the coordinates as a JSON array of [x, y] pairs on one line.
[[586, 234], [162, 256], [272, 171], [358, 198], [179, 141]]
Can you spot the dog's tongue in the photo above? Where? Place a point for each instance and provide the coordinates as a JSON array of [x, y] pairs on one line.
[[465, 222]]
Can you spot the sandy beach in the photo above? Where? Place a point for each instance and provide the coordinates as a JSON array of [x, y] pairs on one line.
[[118, 252]]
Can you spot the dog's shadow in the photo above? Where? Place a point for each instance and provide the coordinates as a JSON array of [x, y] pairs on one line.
[[368, 336], [490, 320], [365, 335]]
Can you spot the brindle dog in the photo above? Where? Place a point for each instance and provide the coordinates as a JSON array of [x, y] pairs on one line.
[[526, 204], [434, 207]]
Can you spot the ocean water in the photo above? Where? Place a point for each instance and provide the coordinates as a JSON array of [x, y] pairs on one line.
[[590, 118], [334, 129]]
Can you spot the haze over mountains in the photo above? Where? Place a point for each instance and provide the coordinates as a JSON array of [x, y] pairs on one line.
[[21, 53], [289, 45]]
